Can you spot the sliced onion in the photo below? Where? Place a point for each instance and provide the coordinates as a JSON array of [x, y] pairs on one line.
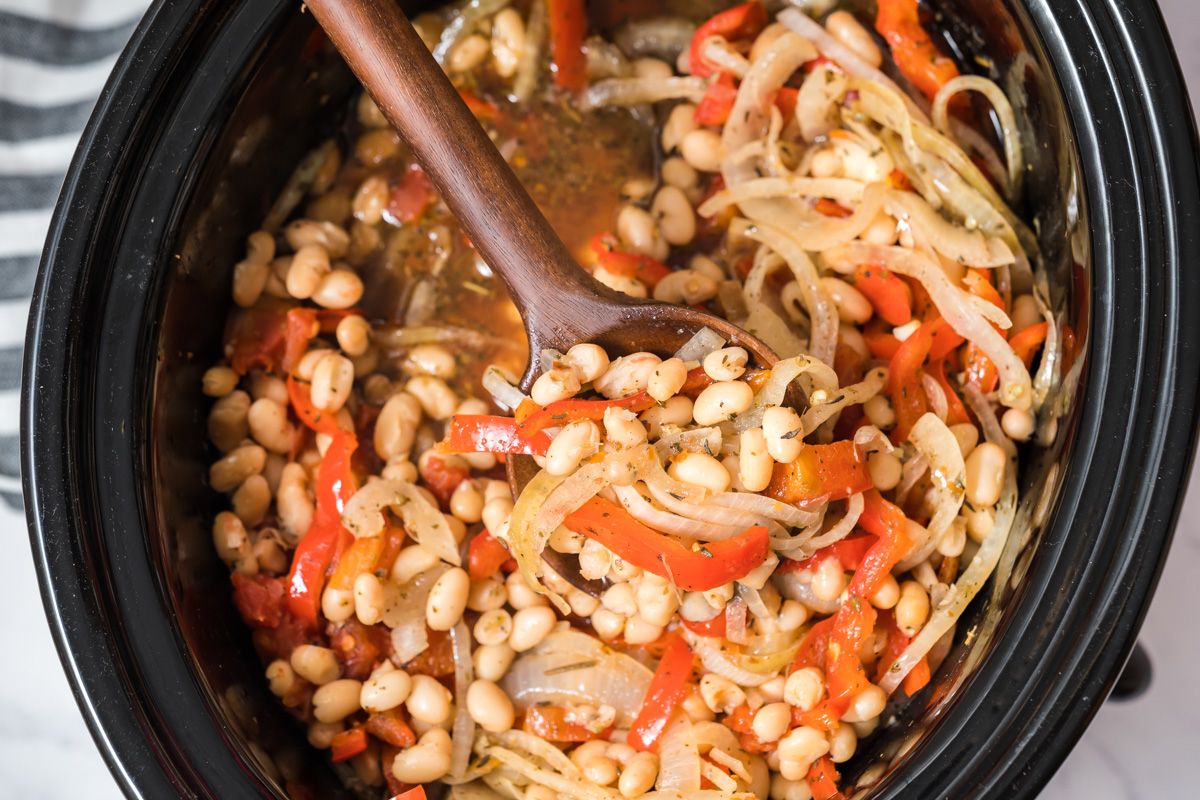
[[952, 606], [762, 321], [955, 243], [872, 440], [521, 741], [735, 621], [500, 386], [696, 440], [1016, 388], [676, 525], [818, 102], [551, 779], [405, 614], [736, 667], [774, 391], [910, 473], [572, 667], [842, 528], [1004, 113], [843, 56], [988, 424], [464, 726], [465, 21], [661, 37], [938, 403], [1047, 372], [843, 190], [703, 342], [634, 91], [717, 777], [475, 790], [937, 443], [422, 520], [854, 394], [763, 508], [679, 758], [605, 60], [529, 68], [716, 50]]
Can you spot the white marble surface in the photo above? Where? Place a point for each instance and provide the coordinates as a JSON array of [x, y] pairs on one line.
[[1138, 749]]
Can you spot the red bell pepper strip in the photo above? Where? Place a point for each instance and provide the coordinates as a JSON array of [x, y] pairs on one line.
[[717, 102], [915, 54], [442, 476], [880, 341], [823, 780], [831, 208], [347, 744], [945, 341], [713, 565], [410, 196], [550, 723], [956, 412], [740, 22], [568, 26], [564, 411], [630, 265], [415, 793], [486, 433], [712, 629], [1026, 343], [821, 471], [485, 556], [813, 646], [741, 722], [844, 673], [785, 101], [849, 551], [302, 326], [888, 294], [979, 368], [667, 691], [315, 552], [897, 642], [363, 555], [904, 378], [887, 522], [478, 106], [316, 419], [390, 726]]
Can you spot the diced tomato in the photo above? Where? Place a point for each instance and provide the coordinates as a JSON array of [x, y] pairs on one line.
[[713, 565], [630, 265], [437, 660], [485, 556], [734, 24], [486, 433], [347, 744], [410, 196], [890, 296], [821, 472], [887, 522], [415, 793], [668, 688], [358, 647], [442, 477], [717, 102], [255, 337], [391, 727], [568, 27], [915, 54], [259, 599]]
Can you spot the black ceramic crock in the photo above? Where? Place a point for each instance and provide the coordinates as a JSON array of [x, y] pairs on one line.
[[193, 137]]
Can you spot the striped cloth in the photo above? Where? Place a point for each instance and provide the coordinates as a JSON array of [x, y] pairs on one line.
[[54, 58]]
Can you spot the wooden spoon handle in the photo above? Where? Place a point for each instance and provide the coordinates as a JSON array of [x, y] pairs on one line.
[[505, 225]]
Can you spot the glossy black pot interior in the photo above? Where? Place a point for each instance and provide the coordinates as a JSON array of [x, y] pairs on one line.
[[193, 138]]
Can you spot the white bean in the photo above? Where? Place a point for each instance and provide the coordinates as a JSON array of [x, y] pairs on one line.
[[700, 469], [428, 760], [627, 375], [336, 700], [843, 26], [508, 42], [985, 474], [428, 701], [666, 379], [622, 428], [491, 661], [639, 232], [555, 384], [332, 381], [755, 465], [680, 122], [701, 149], [852, 305], [722, 401], [784, 433], [385, 691], [589, 361], [530, 627], [489, 706], [726, 364], [575, 442], [676, 218], [686, 286], [436, 398]]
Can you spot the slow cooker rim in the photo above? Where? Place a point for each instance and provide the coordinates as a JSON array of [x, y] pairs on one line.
[[96, 677]]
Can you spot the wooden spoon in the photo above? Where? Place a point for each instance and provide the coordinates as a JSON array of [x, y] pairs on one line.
[[560, 303]]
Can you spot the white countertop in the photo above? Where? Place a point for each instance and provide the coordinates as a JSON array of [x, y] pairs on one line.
[[1142, 748]]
